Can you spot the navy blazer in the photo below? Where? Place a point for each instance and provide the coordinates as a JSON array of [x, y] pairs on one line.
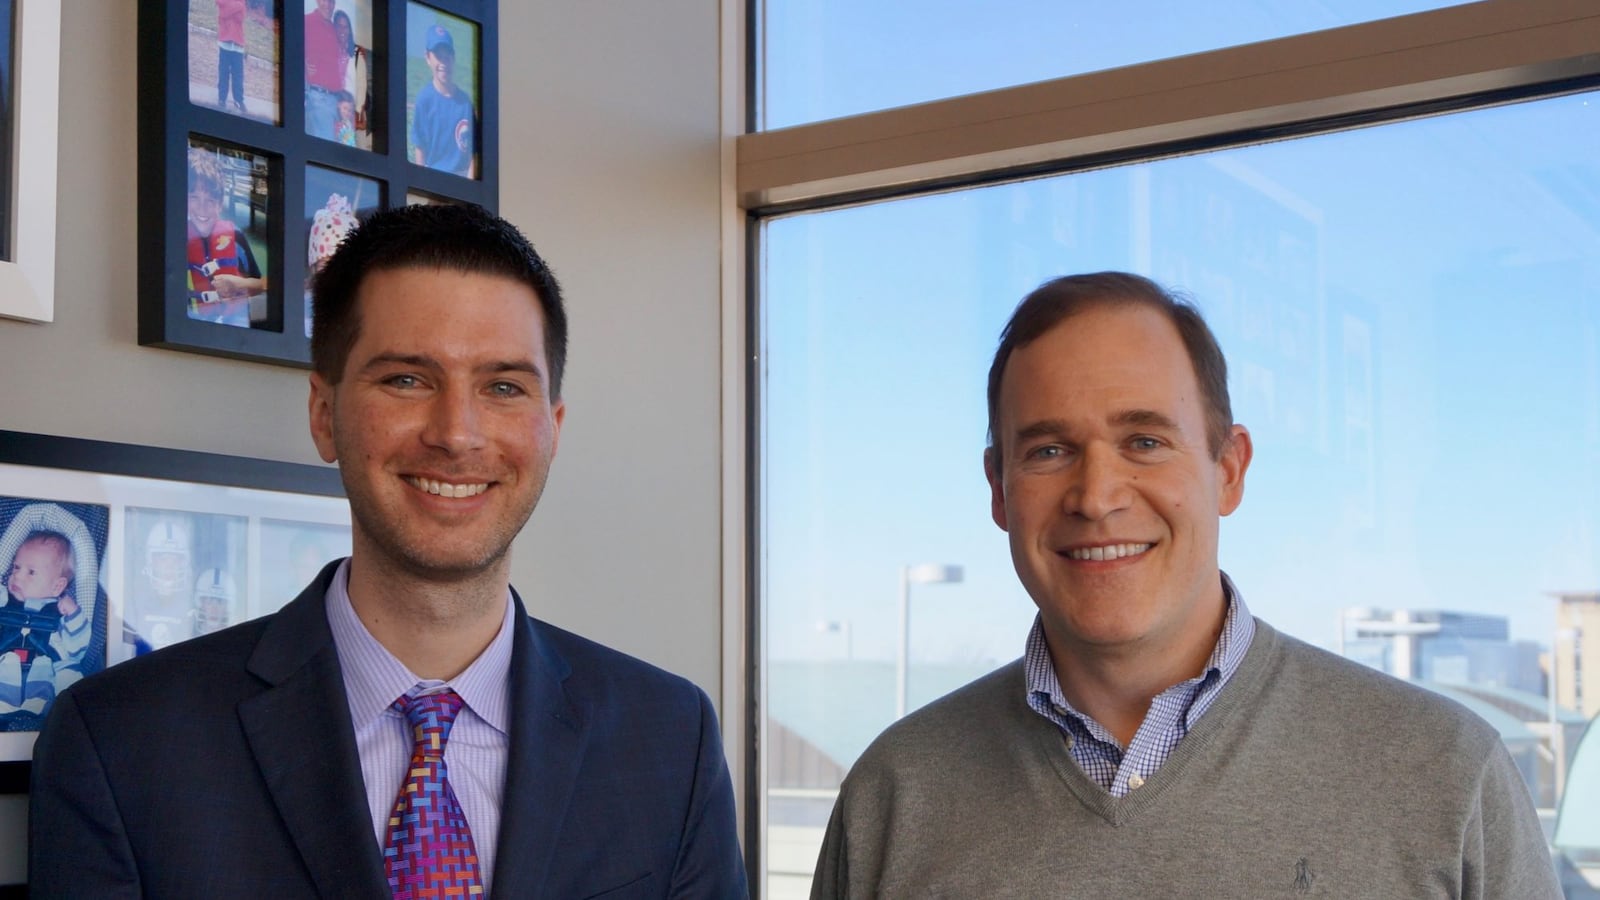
[[226, 766]]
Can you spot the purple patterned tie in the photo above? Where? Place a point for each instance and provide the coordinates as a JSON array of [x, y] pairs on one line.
[[429, 853]]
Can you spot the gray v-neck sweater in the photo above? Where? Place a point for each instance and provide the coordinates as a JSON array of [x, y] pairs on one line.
[[1310, 776]]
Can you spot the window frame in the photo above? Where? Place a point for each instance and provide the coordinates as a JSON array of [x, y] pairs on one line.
[[1462, 57]]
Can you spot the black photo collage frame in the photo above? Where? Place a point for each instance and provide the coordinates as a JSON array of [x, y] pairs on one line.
[[268, 128]]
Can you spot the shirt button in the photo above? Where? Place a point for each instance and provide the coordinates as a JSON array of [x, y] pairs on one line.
[[1135, 782]]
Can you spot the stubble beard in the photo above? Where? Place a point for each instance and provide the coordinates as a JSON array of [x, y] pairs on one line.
[[382, 537]]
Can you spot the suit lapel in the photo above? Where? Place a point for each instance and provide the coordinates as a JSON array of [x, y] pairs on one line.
[[299, 730], [548, 734]]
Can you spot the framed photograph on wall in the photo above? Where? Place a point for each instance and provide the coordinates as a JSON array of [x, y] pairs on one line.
[[269, 128], [115, 550], [30, 73], [234, 53], [441, 90]]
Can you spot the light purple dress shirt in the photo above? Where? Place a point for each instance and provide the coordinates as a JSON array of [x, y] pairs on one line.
[[480, 740], [1172, 713]]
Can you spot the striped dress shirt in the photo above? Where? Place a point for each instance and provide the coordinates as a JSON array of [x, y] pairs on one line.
[[480, 739], [1172, 713]]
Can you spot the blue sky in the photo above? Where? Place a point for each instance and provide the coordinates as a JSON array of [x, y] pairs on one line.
[[830, 58]]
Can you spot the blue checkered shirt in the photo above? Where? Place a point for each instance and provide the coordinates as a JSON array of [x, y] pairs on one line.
[[1172, 713]]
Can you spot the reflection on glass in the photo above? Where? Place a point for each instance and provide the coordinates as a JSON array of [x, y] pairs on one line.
[[183, 572], [292, 553], [828, 58], [1410, 318]]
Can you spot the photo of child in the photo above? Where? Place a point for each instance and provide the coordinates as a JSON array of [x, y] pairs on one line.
[[338, 66], [345, 130], [52, 624], [335, 203], [181, 571], [441, 91], [226, 284], [233, 57], [216, 599]]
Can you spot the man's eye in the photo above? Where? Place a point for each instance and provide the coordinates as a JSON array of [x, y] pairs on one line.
[[403, 381], [1048, 451], [506, 389], [1146, 443]]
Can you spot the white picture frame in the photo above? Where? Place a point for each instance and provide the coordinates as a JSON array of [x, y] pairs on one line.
[[159, 538], [28, 280]]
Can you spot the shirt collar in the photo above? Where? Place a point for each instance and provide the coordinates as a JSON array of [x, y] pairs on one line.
[[1238, 629], [374, 677]]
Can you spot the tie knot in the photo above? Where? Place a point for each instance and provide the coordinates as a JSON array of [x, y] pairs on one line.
[[430, 715]]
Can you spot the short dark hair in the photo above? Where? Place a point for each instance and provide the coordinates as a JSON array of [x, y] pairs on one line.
[[1057, 300], [463, 237]]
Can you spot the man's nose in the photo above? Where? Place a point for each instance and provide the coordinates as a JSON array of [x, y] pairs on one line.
[[455, 422], [1100, 484]]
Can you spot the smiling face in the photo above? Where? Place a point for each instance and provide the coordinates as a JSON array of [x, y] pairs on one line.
[[441, 62], [38, 572], [204, 206], [442, 423], [1107, 488]]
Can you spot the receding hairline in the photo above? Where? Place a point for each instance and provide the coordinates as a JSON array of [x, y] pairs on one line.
[[1112, 302], [1177, 309]]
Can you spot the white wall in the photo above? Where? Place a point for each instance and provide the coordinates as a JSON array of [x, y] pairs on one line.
[[610, 163]]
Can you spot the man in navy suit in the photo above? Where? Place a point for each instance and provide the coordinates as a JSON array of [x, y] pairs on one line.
[[263, 761]]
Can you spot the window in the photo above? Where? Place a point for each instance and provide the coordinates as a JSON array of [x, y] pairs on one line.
[[828, 58], [1411, 314]]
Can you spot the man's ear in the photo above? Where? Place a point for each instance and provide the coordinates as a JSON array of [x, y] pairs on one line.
[[321, 415], [1236, 454], [997, 488]]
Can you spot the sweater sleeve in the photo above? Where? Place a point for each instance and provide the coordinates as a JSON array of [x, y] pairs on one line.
[[832, 876], [1504, 853]]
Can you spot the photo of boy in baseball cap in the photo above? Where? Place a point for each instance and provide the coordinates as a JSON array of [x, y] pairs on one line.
[[443, 127]]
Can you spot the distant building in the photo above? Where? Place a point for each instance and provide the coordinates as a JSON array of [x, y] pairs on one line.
[[1441, 646], [1578, 642]]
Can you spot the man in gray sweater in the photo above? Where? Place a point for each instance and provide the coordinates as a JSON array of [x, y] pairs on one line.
[[1156, 740]]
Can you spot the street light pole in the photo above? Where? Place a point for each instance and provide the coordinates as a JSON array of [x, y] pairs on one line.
[[927, 573]]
